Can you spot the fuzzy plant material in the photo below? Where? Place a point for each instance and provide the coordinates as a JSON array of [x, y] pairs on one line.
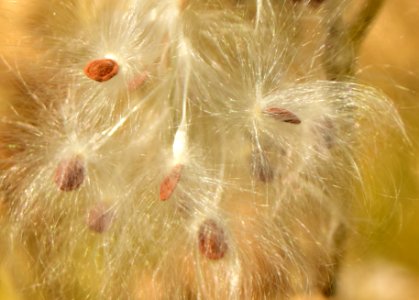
[[181, 149]]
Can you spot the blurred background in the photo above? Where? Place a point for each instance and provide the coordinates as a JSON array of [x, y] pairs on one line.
[[389, 60], [385, 260]]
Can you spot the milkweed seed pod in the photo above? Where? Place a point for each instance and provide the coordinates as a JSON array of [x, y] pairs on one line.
[[194, 149]]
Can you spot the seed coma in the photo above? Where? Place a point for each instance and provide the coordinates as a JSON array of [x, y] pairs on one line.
[[99, 218], [282, 114], [70, 174], [211, 240], [101, 69], [169, 183]]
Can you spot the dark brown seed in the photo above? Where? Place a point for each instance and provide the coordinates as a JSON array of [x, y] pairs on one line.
[[101, 69], [282, 114], [211, 240], [169, 183], [70, 174], [99, 218]]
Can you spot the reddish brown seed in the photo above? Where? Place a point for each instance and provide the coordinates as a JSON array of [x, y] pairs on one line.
[[169, 183], [101, 69], [282, 114], [99, 218], [70, 174], [211, 240]]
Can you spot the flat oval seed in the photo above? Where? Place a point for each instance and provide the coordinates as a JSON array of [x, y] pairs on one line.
[[282, 114], [99, 218], [169, 183], [70, 174], [211, 240], [101, 69]]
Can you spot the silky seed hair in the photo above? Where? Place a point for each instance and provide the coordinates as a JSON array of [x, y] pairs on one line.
[[182, 149]]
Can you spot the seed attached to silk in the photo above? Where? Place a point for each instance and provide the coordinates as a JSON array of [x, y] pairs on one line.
[[138, 81], [169, 183], [99, 218], [101, 69], [328, 133], [261, 169], [282, 114], [211, 240], [70, 174]]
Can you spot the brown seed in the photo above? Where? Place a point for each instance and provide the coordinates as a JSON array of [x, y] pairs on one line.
[[169, 183], [70, 174], [211, 240], [99, 218], [282, 114], [101, 69], [138, 81], [328, 132], [261, 168]]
